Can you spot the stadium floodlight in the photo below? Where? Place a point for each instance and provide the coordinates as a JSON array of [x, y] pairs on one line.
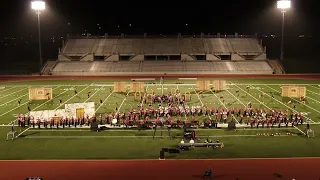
[[39, 6], [283, 4]]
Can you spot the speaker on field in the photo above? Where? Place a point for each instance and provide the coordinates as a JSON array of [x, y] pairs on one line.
[[232, 125], [94, 126], [161, 155]]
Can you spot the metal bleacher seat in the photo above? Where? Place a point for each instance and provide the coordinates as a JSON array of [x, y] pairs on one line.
[[254, 66], [217, 45], [162, 66], [224, 66], [72, 67], [125, 66], [198, 66], [79, 46], [245, 45], [255, 45], [100, 66]]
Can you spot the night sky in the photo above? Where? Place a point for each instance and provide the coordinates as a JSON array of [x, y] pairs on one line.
[[18, 32], [157, 17]]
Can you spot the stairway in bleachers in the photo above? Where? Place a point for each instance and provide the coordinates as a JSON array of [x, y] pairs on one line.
[[277, 67]]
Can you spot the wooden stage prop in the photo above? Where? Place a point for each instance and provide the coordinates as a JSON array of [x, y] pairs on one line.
[[120, 87], [219, 85], [138, 89], [40, 93], [294, 91], [203, 85]]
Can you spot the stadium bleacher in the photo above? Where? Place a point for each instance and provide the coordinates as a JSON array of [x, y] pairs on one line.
[[102, 56]]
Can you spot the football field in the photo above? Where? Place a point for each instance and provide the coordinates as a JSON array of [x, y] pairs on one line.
[[72, 143]]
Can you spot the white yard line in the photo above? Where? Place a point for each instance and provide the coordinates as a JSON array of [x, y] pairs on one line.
[[236, 98], [313, 92], [294, 99], [45, 101], [197, 95], [104, 101], [13, 93], [264, 105], [7, 89], [21, 105], [123, 102], [200, 100], [13, 100], [312, 85], [71, 98], [185, 114], [282, 103], [312, 98], [22, 132], [224, 105], [93, 94], [50, 99]]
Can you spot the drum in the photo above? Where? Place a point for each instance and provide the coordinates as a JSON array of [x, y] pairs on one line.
[[114, 121]]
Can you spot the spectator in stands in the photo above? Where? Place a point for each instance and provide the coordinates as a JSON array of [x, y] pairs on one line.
[[191, 141], [182, 141]]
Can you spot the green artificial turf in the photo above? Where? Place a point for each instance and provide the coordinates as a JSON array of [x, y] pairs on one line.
[[53, 144]]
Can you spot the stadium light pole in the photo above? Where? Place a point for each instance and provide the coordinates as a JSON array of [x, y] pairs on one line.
[[39, 6], [283, 5]]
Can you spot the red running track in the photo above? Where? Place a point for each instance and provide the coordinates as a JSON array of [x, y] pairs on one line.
[[243, 169]]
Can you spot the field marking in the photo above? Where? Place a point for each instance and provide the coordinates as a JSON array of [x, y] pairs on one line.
[[198, 96], [200, 100], [312, 98], [22, 132], [313, 92], [20, 106], [93, 95], [13, 93], [157, 160], [7, 89], [140, 137], [283, 103], [104, 101], [266, 106], [295, 100], [44, 102], [13, 100], [122, 102], [236, 98], [287, 107], [71, 98], [224, 105], [185, 114], [311, 85], [50, 99]]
